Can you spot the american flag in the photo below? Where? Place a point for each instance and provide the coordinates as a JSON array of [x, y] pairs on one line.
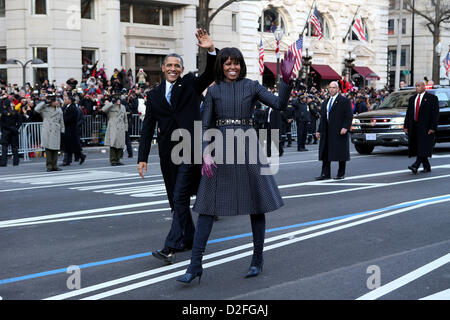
[[314, 20], [296, 48], [261, 57], [446, 62], [358, 29]]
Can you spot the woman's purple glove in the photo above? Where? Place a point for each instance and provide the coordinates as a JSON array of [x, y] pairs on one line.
[[287, 65], [208, 162]]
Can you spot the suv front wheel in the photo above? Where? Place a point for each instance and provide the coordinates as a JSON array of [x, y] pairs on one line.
[[364, 149]]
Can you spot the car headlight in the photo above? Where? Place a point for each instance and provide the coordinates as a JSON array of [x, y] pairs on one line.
[[356, 121]]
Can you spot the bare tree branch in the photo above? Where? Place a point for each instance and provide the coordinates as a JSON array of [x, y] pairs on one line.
[[223, 6]]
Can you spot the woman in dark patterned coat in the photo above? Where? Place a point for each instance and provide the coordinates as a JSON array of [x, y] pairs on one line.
[[235, 182]]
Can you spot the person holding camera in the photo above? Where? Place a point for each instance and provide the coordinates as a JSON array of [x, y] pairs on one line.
[[115, 130], [52, 126], [10, 122]]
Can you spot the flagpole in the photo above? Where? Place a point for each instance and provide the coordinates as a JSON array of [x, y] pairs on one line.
[[307, 19], [351, 24]]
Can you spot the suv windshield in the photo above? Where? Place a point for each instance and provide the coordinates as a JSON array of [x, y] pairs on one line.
[[399, 100]]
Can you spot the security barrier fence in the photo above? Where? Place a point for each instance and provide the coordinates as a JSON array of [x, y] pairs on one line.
[[93, 132]]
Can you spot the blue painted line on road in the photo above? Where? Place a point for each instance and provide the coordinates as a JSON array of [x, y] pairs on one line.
[[244, 235]]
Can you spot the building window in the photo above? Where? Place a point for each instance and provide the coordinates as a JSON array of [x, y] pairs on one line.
[[3, 55], [234, 22], [272, 19], [87, 9], [403, 26], [40, 75], [125, 12], [2, 8], [392, 57], [39, 7], [88, 57], [392, 4], [3, 67], [151, 64], [154, 15], [40, 53], [391, 27]]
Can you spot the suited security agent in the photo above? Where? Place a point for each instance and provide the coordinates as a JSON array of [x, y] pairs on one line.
[[421, 123]]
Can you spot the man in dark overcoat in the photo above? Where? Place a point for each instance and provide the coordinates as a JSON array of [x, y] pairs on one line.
[[335, 121], [421, 123], [10, 122], [302, 118], [175, 104]]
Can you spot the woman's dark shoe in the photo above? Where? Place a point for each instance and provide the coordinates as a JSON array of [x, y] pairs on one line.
[[188, 277], [253, 271]]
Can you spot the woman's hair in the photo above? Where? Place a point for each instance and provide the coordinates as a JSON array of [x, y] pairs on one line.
[[223, 55]]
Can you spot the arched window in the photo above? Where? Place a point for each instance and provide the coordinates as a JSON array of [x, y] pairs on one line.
[[272, 19], [311, 28]]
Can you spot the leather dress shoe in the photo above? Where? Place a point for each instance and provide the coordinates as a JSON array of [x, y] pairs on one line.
[[413, 169], [82, 159], [64, 164], [322, 177], [339, 177], [426, 170], [166, 255]]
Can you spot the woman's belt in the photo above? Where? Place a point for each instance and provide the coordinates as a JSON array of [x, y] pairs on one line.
[[227, 122]]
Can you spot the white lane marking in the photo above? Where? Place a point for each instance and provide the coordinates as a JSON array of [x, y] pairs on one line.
[[407, 278], [443, 295], [127, 213], [365, 187], [131, 177], [104, 186], [151, 194], [83, 212], [290, 236]]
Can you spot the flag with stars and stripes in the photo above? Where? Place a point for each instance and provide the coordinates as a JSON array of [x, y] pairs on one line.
[[261, 57], [358, 29], [297, 48], [315, 21]]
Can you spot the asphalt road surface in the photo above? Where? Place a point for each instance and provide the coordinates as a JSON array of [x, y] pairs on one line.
[[88, 231]]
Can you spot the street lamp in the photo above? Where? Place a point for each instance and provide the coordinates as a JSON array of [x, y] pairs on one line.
[[307, 62], [278, 33], [24, 65], [349, 62]]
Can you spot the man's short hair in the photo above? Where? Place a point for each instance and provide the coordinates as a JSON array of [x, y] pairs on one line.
[[173, 55]]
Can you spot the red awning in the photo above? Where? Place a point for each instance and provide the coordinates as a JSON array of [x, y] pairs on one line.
[[272, 66], [366, 73], [326, 72]]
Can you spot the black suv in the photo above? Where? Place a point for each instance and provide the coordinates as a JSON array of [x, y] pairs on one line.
[[383, 126]]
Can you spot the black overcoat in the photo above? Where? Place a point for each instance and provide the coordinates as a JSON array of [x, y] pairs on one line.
[[331, 140], [420, 143], [181, 114]]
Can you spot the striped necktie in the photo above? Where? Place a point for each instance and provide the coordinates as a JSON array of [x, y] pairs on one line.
[[169, 94]]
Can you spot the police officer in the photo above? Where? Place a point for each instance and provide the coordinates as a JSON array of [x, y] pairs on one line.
[[302, 118], [315, 115], [290, 115], [10, 122]]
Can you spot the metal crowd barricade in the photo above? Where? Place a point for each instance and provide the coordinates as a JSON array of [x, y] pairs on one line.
[[30, 139]]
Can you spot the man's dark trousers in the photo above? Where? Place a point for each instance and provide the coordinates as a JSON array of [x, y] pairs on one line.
[[180, 238]]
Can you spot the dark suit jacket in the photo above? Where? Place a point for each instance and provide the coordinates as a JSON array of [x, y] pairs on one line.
[[181, 114], [420, 143], [336, 145], [301, 111]]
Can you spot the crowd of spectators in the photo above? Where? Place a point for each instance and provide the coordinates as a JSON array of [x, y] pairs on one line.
[[90, 94]]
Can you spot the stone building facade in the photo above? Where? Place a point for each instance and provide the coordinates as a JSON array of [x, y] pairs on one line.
[[138, 33]]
